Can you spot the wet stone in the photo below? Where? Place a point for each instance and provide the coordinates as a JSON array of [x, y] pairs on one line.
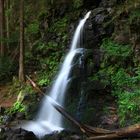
[[2, 109]]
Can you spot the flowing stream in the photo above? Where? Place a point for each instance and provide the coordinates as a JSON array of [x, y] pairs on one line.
[[48, 119]]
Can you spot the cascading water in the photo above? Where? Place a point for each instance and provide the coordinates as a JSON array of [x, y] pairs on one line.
[[48, 119]]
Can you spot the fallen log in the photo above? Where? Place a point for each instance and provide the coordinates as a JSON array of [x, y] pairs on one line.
[[132, 131], [94, 133]]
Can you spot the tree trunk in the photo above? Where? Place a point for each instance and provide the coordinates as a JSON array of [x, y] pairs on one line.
[[2, 27], [7, 23], [21, 53]]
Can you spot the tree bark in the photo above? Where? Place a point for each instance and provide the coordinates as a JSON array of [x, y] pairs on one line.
[[21, 53], [2, 27], [7, 24]]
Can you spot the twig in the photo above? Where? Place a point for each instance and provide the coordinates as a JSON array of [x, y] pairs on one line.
[[34, 85]]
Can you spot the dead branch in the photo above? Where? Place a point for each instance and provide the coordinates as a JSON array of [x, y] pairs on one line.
[[132, 131], [34, 85], [94, 133]]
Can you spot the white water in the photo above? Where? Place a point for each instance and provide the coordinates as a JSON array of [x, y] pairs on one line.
[[48, 119]]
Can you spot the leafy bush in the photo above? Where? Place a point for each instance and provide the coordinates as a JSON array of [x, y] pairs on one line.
[[77, 3], [49, 68], [17, 107], [43, 78], [114, 49], [49, 64], [135, 13], [59, 26], [121, 79], [33, 28], [129, 107]]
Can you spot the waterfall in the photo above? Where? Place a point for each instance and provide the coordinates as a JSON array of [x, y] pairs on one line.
[[48, 119]]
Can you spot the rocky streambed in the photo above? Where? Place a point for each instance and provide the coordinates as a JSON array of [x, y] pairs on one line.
[[7, 133]]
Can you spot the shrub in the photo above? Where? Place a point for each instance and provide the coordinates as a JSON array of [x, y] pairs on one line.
[[129, 107], [17, 107], [113, 49]]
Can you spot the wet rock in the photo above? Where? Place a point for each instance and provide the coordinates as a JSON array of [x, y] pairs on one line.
[[17, 134], [95, 85], [120, 1], [95, 29], [20, 115], [7, 119], [108, 3], [122, 38], [75, 137], [2, 109], [88, 4], [64, 135]]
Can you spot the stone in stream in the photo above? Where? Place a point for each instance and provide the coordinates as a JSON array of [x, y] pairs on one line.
[[63, 135], [16, 134]]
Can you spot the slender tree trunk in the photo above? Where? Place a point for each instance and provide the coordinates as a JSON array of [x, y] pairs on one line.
[[21, 53], [2, 27], [7, 23]]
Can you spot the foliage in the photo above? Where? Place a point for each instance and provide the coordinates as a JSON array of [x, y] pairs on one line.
[[135, 13], [33, 28], [114, 49], [129, 107], [43, 78], [49, 69], [77, 3], [17, 107], [59, 26], [121, 79], [48, 64]]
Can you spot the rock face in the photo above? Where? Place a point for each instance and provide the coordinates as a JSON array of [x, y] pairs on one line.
[[97, 27], [96, 30], [90, 4]]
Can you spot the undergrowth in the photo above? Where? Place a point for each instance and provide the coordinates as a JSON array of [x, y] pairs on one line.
[[123, 79]]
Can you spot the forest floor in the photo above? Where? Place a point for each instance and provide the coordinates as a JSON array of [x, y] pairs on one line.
[[7, 98]]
